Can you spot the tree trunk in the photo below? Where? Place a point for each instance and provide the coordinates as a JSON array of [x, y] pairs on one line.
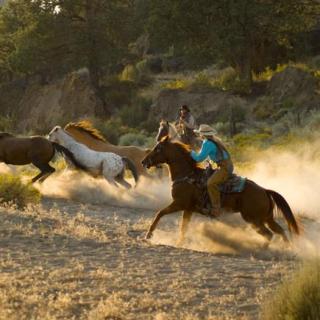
[[244, 69], [92, 55]]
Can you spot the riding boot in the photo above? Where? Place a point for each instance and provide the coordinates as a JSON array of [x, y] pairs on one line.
[[215, 211]]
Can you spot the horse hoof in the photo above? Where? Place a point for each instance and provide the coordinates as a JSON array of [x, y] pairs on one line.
[[148, 236]]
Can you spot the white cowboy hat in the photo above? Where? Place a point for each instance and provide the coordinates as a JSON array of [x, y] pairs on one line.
[[206, 130]]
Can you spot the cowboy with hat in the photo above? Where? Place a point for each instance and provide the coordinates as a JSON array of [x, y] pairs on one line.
[[186, 120], [214, 149]]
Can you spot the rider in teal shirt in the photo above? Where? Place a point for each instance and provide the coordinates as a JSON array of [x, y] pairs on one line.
[[209, 149], [214, 150]]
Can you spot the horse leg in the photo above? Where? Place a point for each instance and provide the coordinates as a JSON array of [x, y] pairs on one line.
[[120, 179], [107, 173], [46, 171], [49, 171], [186, 217], [173, 207], [111, 181], [264, 231], [276, 228], [123, 182]]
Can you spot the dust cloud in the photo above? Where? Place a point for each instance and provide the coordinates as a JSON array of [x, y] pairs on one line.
[[295, 174], [148, 194]]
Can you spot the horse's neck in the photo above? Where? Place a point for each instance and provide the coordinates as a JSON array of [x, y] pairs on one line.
[[180, 169], [173, 134], [69, 142]]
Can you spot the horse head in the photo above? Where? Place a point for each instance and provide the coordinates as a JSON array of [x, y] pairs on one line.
[[163, 130], [171, 153], [158, 154], [167, 129], [56, 134]]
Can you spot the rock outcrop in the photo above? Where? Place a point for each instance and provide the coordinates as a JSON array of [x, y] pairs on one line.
[[205, 105], [36, 108], [68, 99]]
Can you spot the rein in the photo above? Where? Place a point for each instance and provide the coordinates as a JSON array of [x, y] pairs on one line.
[[188, 179]]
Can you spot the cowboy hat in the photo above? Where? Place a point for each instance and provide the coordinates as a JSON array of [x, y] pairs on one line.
[[206, 130]]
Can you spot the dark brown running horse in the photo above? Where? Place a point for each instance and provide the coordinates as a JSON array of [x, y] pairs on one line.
[[36, 150], [255, 203]]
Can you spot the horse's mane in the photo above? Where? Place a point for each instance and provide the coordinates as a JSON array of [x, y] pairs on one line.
[[87, 127], [185, 150], [5, 135]]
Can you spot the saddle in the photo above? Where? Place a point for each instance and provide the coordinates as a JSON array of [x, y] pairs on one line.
[[235, 184]]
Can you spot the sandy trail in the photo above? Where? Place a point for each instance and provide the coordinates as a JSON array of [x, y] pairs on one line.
[[80, 255], [66, 259]]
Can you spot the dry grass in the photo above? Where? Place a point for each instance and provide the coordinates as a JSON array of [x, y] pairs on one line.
[[298, 297], [12, 190], [64, 260]]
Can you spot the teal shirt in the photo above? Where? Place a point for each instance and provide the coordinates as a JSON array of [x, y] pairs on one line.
[[209, 150]]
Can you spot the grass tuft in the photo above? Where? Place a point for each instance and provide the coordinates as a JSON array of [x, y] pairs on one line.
[[297, 298], [12, 190]]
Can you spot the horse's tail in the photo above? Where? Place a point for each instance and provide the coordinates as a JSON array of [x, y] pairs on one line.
[[284, 207], [131, 166], [64, 151]]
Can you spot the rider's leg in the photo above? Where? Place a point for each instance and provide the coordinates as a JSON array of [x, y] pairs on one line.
[[220, 176]]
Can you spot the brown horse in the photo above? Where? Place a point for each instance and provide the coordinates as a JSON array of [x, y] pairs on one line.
[[255, 203], [84, 132], [36, 150]]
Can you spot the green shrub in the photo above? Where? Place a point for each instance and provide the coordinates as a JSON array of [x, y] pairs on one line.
[[6, 123], [135, 139], [129, 73], [229, 80], [13, 190], [244, 145], [138, 74], [118, 93], [297, 298], [264, 108], [110, 129], [133, 115], [268, 73], [201, 81], [313, 121], [176, 84]]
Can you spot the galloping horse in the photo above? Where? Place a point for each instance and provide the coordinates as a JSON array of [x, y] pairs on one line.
[[85, 133], [168, 129], [36, 150], [107, 164], [255, 204]]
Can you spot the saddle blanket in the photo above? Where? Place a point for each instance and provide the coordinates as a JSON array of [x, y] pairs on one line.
[[233, 185]]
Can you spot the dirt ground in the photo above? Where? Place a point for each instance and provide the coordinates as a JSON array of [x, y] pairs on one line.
[[80, 254], [66, 260]]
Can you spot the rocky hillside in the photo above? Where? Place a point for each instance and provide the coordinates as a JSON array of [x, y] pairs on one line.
[[291, 89], [37, 108]]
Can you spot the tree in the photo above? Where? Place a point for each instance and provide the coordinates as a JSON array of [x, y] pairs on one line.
[[244, 33], [52, 37]]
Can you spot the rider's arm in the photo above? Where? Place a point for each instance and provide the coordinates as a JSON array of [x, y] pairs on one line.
[[206, 149], [190, 123]]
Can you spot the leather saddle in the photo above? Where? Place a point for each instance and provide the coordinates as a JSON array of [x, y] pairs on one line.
[[235, 184]]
